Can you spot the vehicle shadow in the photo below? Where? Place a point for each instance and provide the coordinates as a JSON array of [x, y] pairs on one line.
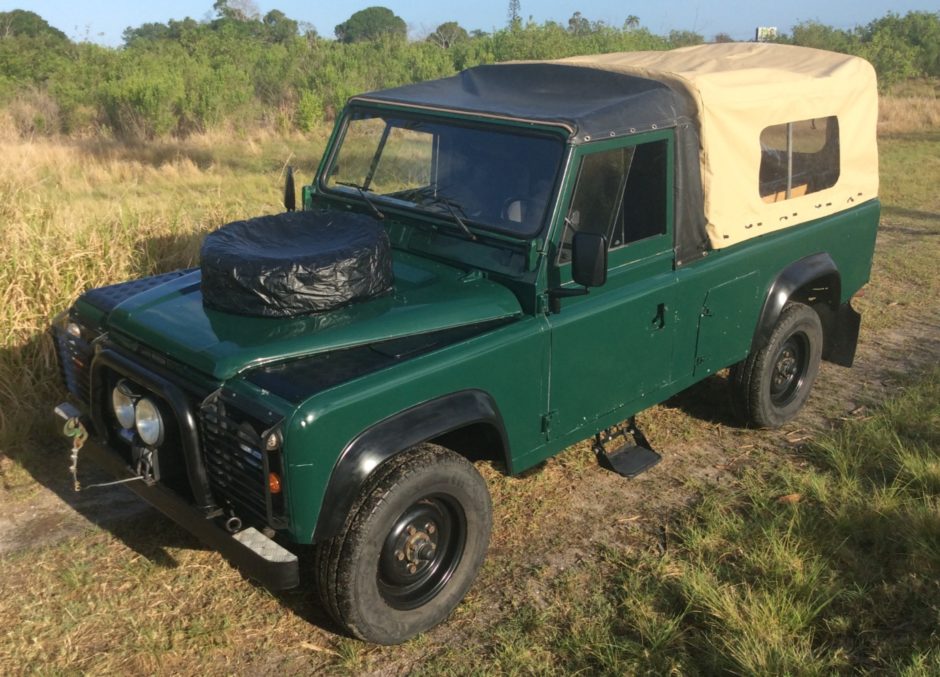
[[304, 600], [32, 441], [708, 400], [33, 451]]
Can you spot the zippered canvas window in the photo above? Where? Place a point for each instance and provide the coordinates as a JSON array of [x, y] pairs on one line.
[[799, 158]]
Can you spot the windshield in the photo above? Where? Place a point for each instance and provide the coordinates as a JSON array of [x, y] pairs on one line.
[[481, 176]]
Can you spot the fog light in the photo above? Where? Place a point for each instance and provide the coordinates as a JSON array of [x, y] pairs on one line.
[[149, 422], [122, 402], [274, 483]]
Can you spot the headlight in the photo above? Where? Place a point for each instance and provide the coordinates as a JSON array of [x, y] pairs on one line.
[[149, 422], [122, 401]]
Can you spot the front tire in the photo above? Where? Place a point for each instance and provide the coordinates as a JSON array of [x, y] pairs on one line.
[[410, 549], [771, 386]]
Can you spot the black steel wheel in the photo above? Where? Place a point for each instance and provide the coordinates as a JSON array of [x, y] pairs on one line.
[[422, 551], [789, 369], [410, 549], [771, 386]]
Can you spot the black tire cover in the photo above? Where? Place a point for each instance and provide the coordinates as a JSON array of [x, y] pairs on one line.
[[295, 263]]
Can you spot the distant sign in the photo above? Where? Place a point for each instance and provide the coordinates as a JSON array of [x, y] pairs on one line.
[[766, 33]]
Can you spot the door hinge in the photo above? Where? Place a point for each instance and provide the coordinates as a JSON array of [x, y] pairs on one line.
[[547, 420], [541, 304]]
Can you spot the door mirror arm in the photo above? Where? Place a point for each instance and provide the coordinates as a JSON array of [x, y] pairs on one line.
[[588, 268], [558, 293]]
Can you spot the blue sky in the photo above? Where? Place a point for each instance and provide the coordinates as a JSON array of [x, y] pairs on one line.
[[105, 20]]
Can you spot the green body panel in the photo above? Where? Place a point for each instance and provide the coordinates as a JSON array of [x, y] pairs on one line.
[[428, 296], [738, 280], [509, 363], [613, 345], [598, 336], [848, 237], [727, 312]]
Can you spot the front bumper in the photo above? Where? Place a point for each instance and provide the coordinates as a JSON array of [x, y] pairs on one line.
[[256, 555]]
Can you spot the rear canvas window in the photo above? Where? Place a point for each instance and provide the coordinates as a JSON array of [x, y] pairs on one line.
[[799, 158]]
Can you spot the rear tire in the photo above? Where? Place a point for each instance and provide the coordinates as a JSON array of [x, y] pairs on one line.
[[771, 386], [410, 549]]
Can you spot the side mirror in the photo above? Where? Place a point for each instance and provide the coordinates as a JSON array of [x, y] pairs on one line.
[[589, 259], [290, 193]]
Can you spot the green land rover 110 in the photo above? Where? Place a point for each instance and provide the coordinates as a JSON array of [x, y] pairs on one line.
[[491, 266]]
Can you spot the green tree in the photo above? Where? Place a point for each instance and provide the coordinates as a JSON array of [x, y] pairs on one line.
[[514, 14], [448, 34], [894, 60], [21, 23], [147, 32], [579, 24], [821, 36], [278, 27], [237, 10], [31, 50], [684, 39], [918, 30], [371, 24]]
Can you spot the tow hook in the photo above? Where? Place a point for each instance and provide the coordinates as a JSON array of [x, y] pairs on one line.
[[75, 429]]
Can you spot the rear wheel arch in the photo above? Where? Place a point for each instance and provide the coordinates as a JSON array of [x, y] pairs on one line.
[[813, 281], [467, 422]]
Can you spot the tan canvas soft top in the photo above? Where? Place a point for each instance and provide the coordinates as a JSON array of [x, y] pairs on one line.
[[739, 90]]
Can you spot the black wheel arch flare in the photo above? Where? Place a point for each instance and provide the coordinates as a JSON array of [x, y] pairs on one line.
[[424, 422], [796, 282]]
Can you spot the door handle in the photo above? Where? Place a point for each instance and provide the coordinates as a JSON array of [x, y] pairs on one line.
[[659, 321]]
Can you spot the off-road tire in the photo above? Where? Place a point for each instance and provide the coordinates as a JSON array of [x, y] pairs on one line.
[[771, 386], [362, 582]]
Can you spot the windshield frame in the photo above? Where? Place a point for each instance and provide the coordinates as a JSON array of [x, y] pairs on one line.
[[457, 119]]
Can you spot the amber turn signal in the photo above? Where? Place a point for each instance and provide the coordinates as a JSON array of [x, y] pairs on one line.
[[274, 483]]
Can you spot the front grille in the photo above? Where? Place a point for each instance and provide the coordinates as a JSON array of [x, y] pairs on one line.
[[74, 363], [235, 463]]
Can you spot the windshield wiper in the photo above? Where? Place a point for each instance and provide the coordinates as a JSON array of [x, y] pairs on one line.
[[426, 197], [362, 193], [449, 206]]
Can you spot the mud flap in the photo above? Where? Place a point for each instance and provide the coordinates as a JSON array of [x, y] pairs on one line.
[[628, 460], [842, 336]]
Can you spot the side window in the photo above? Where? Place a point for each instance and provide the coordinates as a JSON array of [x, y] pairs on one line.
[[620, 193], [799, 158]]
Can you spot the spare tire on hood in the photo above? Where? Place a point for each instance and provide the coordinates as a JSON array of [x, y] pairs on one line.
[[295, 263]]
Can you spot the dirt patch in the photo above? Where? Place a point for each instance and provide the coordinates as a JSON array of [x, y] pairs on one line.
[[55, 513]]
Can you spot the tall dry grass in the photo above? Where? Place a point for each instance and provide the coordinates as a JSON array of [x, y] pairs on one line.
[[910, 107], [902, 115], [81, 213]]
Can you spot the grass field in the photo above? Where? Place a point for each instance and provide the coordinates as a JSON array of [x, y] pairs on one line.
[[815, 549]]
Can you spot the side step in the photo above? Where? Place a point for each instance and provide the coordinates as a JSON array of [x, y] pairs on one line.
[[628, 460]]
